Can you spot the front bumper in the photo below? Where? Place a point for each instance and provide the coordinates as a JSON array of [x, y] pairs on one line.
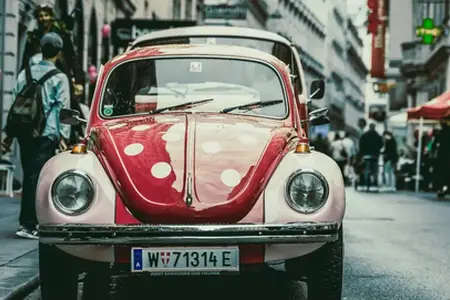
[[235, 234]]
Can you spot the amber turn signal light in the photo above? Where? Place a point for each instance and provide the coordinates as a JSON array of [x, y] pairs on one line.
[[302, 148], [79, 149]]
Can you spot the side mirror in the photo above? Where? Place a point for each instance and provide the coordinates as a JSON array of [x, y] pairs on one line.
[[70, 117], [319, 117], [317, 89]]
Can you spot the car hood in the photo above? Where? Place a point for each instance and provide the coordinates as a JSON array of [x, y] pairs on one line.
[[192, 168]]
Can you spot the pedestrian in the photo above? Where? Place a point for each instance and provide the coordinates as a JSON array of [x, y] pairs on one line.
[[338, 153], [350, 149], [370, 145], [38, 131], [66, 62], [390, 159], [443, 161], [321, 144]]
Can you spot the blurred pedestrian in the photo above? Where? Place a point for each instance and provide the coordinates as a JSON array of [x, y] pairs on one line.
[[338, 153], [38, 130], [321, 144], [370, 145], [350, 148], [390, 158], [443, 161]]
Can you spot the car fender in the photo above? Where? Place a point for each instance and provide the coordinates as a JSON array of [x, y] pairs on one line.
[[277, 210], [102, 210]]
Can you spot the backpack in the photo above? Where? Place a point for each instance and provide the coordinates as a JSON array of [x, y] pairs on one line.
[[26, 118]]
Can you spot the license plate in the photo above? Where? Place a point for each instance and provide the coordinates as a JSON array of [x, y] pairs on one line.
[[185, 260]]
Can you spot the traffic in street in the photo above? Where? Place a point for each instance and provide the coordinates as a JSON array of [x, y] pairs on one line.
[[395, 248]]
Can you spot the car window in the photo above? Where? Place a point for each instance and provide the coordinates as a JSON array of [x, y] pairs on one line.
[[279, 50], [141, 86]]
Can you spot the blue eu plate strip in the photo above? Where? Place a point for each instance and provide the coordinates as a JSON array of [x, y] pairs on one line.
[[137, 259]]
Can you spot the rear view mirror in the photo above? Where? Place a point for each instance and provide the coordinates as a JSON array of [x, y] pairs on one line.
[[319, 117], [317, 89], [70, 117]]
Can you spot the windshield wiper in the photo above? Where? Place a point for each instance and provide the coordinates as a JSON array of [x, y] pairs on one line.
[[248, 105], [158, 110]]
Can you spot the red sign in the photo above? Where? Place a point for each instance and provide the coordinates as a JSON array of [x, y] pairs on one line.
[[377, 69]]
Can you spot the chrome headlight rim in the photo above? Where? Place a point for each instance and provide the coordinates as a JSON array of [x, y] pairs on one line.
[[312, 172], [72, 172]]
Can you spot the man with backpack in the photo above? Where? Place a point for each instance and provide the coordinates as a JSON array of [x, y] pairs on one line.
[[40, 93]]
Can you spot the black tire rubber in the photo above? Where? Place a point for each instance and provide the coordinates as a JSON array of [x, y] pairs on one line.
[[325, 274], [97, 283], [57, 273]]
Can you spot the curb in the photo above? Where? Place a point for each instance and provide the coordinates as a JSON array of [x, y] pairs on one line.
[[23, 290]]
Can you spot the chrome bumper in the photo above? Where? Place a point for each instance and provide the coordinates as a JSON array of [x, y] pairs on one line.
[[236, 234]]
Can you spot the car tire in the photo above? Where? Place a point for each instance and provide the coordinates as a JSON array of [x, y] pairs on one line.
[[57, 273], [97, 283], [325, 274]]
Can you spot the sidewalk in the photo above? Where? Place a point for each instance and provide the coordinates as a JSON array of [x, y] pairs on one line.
[[18, 257]]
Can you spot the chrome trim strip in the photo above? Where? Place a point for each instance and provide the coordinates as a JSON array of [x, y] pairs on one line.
[[86, 234]]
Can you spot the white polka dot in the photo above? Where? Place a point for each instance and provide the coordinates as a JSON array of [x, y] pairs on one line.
[[140, 127], [247, 139], [171, 137], [230, 177], [211, 147], [161, 170], [116, 126], [134, 149]]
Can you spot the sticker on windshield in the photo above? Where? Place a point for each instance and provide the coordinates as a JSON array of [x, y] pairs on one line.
[[108, 109], [211, 41], [196, 66]]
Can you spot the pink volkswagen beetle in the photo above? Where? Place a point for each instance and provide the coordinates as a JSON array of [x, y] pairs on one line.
[[196, 162]]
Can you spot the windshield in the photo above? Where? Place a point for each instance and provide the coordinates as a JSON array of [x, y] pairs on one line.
[[152, 85], [279, 50]]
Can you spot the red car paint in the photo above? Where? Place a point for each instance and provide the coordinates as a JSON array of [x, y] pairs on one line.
[[162, 201]]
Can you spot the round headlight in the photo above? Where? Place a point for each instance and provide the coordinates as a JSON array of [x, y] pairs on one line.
[[73, 192], [306, 191]]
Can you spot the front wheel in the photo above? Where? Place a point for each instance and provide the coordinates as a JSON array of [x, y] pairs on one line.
[[324, 280], [323, 270], [57, 273]]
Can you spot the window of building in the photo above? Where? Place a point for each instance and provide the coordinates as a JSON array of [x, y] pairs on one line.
[[188, 10], [176, 9]]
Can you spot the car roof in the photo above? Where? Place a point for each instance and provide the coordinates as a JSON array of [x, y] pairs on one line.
[[211, 30], [202, 49]]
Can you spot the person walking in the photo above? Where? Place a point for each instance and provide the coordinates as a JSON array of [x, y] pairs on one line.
[[338, 153], [370, 145], [390, 158], [67, 61], [443, 161], [350, 149], [46, 90]]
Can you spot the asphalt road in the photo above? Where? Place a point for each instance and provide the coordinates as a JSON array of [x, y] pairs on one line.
[[397, 248]]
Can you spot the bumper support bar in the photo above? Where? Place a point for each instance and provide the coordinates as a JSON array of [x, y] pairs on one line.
[[235, 234]]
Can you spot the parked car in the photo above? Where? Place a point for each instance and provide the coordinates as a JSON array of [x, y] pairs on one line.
[[263, 40], [196, 163]]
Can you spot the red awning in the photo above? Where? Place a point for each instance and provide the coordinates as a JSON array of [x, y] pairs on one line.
[[436, 109]]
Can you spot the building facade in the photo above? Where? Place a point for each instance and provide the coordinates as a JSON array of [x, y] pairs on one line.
[[355, 82], [423, 69]]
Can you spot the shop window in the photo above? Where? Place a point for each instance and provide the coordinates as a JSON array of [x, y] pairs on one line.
[[176, 9], [188, 10]]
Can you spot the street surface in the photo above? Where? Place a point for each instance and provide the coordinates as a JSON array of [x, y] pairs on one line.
[[18, 257], [396, 248]]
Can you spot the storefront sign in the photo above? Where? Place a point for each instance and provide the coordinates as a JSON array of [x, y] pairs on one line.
[[127, 30], [379, 43], [226, 11]]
